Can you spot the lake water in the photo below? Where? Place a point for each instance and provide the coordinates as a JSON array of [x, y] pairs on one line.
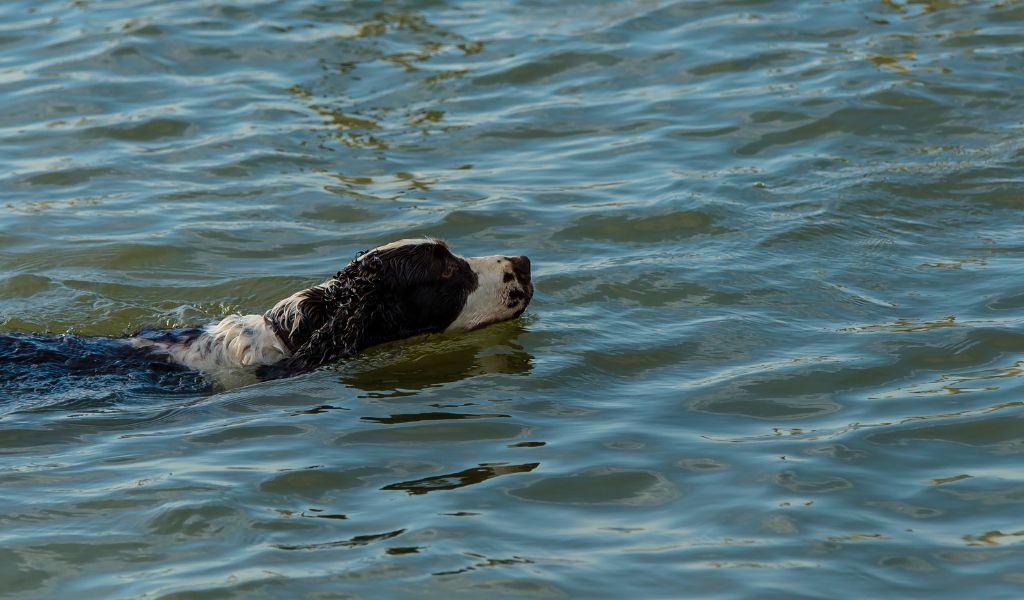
[[776, 348]]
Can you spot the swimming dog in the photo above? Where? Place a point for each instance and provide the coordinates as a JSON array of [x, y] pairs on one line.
[[394, 291]]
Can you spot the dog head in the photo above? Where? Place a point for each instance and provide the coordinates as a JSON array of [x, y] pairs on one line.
[[396, 291]]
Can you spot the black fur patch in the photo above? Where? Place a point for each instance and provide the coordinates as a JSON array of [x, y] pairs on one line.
[[515, 297], [381, 296]]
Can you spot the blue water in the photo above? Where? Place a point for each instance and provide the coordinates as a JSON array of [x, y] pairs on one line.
[[775, 349]]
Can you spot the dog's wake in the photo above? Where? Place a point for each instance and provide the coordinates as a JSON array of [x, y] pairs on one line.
[[43, 371]]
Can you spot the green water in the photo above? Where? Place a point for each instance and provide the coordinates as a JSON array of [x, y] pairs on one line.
[[776, 348]]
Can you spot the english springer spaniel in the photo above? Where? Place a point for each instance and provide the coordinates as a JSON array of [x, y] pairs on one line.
[[394, 291]]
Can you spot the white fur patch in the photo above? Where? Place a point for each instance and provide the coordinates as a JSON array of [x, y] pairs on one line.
[[488, 303], [236, 341]]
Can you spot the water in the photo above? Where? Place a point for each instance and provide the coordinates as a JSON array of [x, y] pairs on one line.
[[776, 347]]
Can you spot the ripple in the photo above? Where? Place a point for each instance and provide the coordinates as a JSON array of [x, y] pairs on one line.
[[744, 64], [766, 408], [790, 480], [622, 228], [1002, 432], [359, 540], [602, 485], [429, 416], [910, 510], [702, 465], [548, 66], [317, 483], [781, 391], [25, 285], [70, 177], [191, 521], [435, 433], [27, 438], [452, 481], [152, 129], [248, 432]]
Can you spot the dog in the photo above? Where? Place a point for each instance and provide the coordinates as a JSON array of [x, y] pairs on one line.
[[398, 290], [394, 291]]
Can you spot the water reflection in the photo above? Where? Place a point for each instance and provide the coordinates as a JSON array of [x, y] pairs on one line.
[[430, 416], [353, 542], [351, 113], [404, 368], [451, 481]]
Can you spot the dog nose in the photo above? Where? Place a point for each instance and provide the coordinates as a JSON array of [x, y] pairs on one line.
[[521, 267]]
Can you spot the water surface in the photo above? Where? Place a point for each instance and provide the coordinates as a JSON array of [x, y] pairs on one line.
[[776, 346]]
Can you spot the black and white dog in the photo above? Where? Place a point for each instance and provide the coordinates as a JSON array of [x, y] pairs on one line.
[[395, 291], [392, 292]]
